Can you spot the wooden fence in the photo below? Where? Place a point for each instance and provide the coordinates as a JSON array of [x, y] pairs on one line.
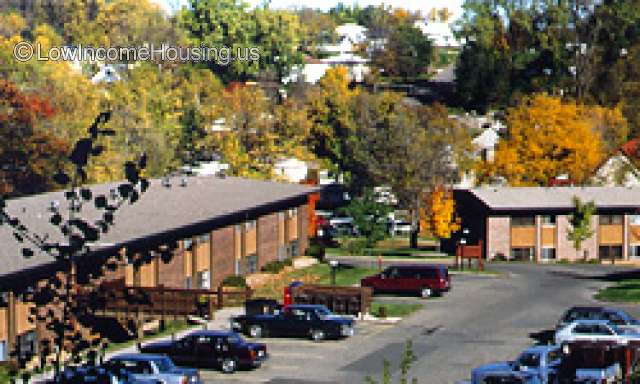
[[342, 300]]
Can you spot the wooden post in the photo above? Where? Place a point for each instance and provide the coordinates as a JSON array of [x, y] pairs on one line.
[[220, 295]]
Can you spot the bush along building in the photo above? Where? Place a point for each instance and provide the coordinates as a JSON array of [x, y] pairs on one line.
[[214, 228], [533, 223]]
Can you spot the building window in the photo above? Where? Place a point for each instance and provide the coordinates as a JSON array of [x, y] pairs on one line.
[[187, 244], [523, 221], [204, 239], [548, 253], [291, 213], [548, 220], [27, 344], [634, 219], [252, 264], [238, 268], [610, 251], [188, 283], [524, 254], [3, 351], [634, 251], [610, 219], [204, 280], [249, 225]]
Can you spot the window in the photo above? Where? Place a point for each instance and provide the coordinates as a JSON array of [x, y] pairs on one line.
[[204, 281], [548, 220], [187, 244], [3, 350], [634, 219], [523, 221], [525, 254], [548, 253], [203, 239], [252, 264], [249, 225], [610, 251], [634, 251], [610, 219]]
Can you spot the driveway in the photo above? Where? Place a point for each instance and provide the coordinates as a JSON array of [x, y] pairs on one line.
[[482, 319]]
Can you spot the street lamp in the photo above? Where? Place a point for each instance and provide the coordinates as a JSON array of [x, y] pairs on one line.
[[334, 266]]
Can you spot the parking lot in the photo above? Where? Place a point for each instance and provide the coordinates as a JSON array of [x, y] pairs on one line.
[[484, 318]]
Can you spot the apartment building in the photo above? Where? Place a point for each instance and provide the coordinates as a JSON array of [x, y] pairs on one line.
[[223, 227], [532, 223]]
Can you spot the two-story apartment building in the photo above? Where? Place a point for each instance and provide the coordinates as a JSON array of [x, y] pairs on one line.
[[223, 227], [532, 223]]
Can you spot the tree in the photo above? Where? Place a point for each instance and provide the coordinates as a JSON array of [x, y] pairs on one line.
[[580, 221], [55, 299], [548, 137], [370, 217], [28, 155], [407, 52], [439, 214], [414, 149]]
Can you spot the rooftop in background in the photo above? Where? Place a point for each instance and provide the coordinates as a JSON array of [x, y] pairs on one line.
[[514, 198], [159, 211]]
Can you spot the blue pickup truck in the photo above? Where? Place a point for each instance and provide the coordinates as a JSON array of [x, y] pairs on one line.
[[550, 364], [536, 365]]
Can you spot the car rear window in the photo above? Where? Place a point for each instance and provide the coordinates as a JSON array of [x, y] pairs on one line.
[[419, 273]]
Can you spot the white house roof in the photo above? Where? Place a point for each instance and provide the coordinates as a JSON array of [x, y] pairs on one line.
[[487, 139], [441, 33], [345, 58], [513, 198]]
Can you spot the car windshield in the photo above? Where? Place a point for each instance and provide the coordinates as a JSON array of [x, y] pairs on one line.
[[234, 339], [165, 364], [323, 312], [529, 360], [624, 331]]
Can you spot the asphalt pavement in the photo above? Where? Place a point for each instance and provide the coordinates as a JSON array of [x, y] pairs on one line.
[[483, 319]]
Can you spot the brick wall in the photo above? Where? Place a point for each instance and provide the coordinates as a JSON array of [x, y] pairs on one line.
[[303, 228], [171, 274], [223, 254], [498, 237], [565, 248], [267, 239]]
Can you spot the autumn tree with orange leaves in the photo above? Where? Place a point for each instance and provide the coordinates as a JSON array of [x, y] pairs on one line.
[[549, 137], [29, 155], [438, 217]]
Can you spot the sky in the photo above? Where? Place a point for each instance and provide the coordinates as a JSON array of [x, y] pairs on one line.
[[414, 5]]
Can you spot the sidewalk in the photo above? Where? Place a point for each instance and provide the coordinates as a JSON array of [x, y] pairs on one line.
[[221, 321]]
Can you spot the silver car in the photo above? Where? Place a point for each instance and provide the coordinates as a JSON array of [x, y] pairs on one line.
[[143, 366]]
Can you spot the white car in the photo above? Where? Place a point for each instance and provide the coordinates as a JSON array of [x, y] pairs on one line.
[[594, 330]]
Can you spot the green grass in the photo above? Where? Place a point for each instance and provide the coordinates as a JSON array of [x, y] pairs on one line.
[[395, 309], [418, 253], [622, 291]]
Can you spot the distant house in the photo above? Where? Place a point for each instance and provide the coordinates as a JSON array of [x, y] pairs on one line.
[[313, 69], [620, 168], [350, 35], [440, 33]]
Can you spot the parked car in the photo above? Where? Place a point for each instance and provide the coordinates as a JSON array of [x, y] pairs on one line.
[[594, 330], [152, 368], [536, 365], [615, 316], [224, 350], [91, 374], [297, 320], [425, 280]]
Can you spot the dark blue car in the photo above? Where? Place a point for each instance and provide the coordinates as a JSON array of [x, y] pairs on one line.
[[614, 316]]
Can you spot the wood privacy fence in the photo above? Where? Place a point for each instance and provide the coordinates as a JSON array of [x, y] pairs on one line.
[[341, 300], [126, 302]]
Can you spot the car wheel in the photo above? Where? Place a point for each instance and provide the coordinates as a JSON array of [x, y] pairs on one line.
[[228, 365], [255, 331], [317, 335], [426, 292]]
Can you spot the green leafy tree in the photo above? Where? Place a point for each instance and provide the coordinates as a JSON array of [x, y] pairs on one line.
[[370, 217], [580, 220]]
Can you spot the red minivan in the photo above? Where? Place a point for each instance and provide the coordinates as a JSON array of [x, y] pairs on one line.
[[426, 280]]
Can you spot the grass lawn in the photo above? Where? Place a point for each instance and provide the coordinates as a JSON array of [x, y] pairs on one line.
[[622, 291], [316, 274], [395, 309]]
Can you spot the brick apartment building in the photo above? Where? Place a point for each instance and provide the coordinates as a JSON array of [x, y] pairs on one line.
[[532, 223], [224, 226]]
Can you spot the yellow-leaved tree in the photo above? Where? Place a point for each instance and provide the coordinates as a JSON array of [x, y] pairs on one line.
[[549, 137], [438, 217]]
